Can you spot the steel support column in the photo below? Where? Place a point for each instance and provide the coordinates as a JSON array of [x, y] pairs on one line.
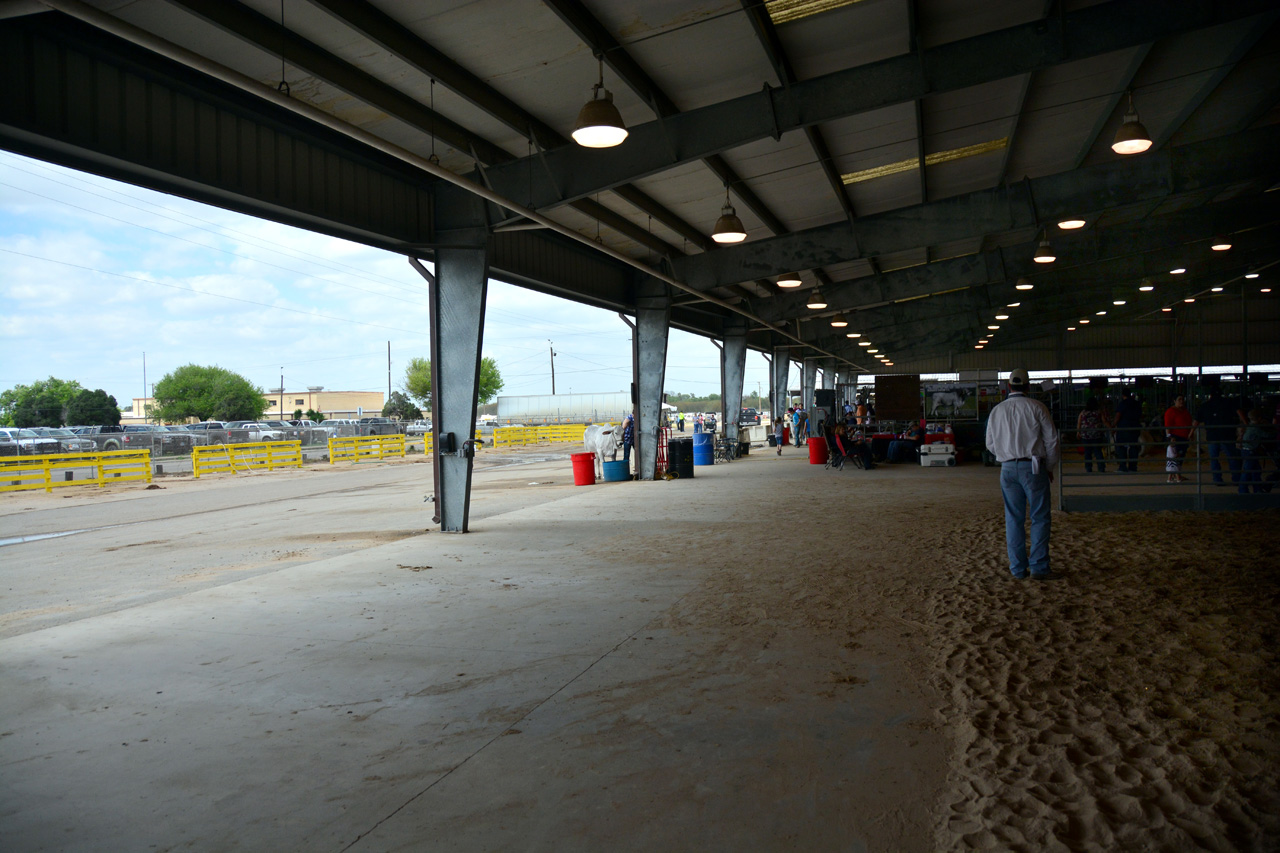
[[653, 326], [733, 367], [457, 298], [781, 373], [808, 384]]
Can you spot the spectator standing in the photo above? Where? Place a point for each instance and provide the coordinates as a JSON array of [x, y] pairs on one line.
[[628, 438], [1128, 425], [1178, 424], [680, 422], [1254, 447], [1221, 420], [779, 433], [1091, 430], [1022, 437]]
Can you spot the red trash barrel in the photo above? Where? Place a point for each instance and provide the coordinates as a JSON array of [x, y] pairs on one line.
[[786, 434], [817, 451], [584, 469]]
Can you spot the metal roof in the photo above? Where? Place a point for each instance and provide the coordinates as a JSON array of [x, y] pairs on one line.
[[906, 157]]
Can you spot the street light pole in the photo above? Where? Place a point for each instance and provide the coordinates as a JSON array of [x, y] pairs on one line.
[[552, 348]]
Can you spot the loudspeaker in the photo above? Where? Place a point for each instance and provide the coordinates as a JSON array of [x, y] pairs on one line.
[[824, 397]]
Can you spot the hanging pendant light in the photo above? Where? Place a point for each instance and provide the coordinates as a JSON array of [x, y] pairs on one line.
[[789, 280], [839, 321], [816, 300], [1220, 244], [599, 122], [1044, 254], [1024, 284], [1132, 137], [1071, 224], [728, 227]]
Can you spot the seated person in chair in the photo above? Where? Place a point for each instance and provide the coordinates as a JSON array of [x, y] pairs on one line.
[[857, 446]]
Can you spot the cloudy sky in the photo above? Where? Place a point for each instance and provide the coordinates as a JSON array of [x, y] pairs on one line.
[[97, 273]]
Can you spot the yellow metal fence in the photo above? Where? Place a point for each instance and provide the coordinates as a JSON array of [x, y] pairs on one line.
[[42, 472], [353, 448], [235, 458], [521, 436]]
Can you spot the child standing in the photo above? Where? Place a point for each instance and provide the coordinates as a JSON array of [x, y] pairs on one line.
[[1173, 464]]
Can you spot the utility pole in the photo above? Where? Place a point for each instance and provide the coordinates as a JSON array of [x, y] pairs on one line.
[[388, 371], [552, 348], [144, 384], [282, 392]]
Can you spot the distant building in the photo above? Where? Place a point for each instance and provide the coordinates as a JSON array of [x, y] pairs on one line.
[[332, 404]]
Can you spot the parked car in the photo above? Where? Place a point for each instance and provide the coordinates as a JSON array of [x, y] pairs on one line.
[[108, 437], [68, 441], [160, 440], [289, 431], [749, 416], [378, 426], [26, 442], [709, 421], [341, 426], [208, 432], [418, 428], [319, 432], [251, 431]]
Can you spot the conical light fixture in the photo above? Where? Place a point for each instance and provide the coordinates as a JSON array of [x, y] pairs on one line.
[[1071, 224], [1044, 254], [839, 321], [1024, 284], [599, 122], [1220, 244], [728, 227], [789, 280], [816, 300], [1132, 137]]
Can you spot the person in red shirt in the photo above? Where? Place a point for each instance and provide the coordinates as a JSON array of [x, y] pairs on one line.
[[1178, 424]]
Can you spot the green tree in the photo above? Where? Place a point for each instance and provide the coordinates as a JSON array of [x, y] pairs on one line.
[[490, 380], [207, 393], [93, 408], [313, 415], [41, 403], [417, 380], [400, 406], [297, 414]]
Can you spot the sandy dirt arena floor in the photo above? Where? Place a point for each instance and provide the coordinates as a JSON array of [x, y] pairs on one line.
[[772, 656]]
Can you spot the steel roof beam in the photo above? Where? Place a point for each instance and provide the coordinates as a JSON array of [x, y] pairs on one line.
[[697, 134], [1026, 205], [1125, 248]]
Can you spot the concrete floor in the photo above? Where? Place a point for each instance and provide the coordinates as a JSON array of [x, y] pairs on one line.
[[288, 662]]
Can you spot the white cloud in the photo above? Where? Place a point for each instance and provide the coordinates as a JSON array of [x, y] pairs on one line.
[[98, 273]]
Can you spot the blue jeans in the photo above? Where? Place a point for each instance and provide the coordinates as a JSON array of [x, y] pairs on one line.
[[1218, 449], [1251, 474], [626, 455], [1093, 450], [1024, 490], [1127, 448]]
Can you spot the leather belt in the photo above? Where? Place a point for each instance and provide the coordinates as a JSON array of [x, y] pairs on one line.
[[1019, 459]]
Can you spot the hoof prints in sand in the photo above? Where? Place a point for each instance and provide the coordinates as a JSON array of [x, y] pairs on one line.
[[1131, 706]]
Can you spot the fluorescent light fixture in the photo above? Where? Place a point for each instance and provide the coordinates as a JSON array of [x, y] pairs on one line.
[[599, 122]]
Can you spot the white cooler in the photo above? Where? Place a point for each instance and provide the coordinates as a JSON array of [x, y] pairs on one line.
[[937, 455]]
